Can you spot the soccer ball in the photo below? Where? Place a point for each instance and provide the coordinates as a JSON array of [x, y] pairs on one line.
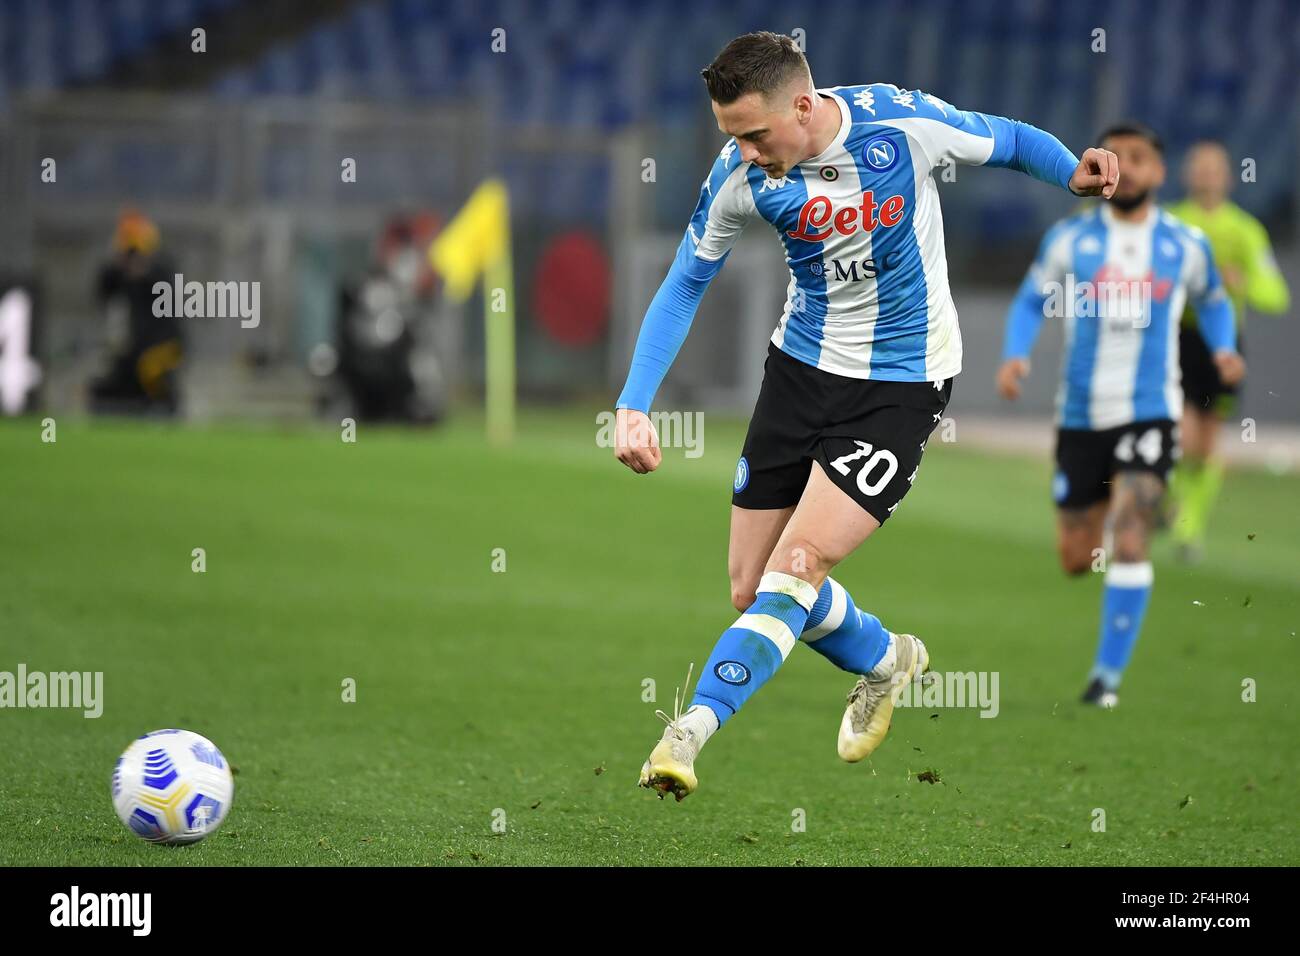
[[172, 786]]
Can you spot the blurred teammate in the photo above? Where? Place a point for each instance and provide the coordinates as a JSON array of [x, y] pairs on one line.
[[1119, 275], [1251, 277], [859, 369]]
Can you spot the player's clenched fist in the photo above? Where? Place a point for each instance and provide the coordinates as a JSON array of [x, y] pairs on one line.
[[1009, 377], [1097, 174], [636, 443], [1232, 367]]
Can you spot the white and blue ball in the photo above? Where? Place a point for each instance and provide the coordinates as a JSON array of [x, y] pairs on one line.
[[172, 786]]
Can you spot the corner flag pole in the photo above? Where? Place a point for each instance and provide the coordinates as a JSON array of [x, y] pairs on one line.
[[499, 323], [477, 242]]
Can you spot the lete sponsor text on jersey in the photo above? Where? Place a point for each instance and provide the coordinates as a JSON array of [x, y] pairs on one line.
[[818, 218]]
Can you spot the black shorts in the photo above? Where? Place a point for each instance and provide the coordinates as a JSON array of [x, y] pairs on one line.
[[868, 435], [1087, 461], [1202, 386]]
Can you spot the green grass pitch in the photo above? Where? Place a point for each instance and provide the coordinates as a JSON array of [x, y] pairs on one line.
[[517, 697]]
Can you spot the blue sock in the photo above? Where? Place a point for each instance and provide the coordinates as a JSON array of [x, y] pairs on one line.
[[750, 651], [848, 637], [1128, 588]]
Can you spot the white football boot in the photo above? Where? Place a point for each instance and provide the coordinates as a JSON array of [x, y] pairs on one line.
[[671, 767], [871, 702]]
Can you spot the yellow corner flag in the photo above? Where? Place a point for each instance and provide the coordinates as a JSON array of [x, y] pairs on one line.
[[477, 242]]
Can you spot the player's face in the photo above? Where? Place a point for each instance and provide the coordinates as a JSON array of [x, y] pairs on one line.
[[1206, 172], [772, 132], [1141, 170]]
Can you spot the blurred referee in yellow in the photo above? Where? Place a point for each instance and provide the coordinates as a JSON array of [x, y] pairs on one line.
[[1251, 276]]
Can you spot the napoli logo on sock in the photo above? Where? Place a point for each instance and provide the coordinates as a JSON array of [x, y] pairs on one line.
[[732, 672], [742, 475], [880, 154]]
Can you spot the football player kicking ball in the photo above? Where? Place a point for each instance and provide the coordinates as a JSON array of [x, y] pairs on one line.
[[858, 373], [1119, 274]]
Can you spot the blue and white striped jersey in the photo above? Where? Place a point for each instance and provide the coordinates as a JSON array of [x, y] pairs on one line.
[[868, 295], [1120, 288]]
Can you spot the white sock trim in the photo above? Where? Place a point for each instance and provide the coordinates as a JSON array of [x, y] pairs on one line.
[[702, 720], [834, 617], [778, 582], [774, 629], [1137, 575], [885, 666]]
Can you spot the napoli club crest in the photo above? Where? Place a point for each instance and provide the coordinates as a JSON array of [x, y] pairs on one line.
[[880, 154], [732, 672]]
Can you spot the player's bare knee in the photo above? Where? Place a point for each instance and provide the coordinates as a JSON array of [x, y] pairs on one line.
[[1075, 559], [1078, 538], [744, 585], [801, 558], [1074, 566], [743, 596]]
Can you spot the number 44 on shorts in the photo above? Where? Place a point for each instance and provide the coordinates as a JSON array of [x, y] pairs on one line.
[[865, 485], [1148, 446]]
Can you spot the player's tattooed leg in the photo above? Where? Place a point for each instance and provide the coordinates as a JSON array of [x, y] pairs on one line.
[[1134, 513]]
